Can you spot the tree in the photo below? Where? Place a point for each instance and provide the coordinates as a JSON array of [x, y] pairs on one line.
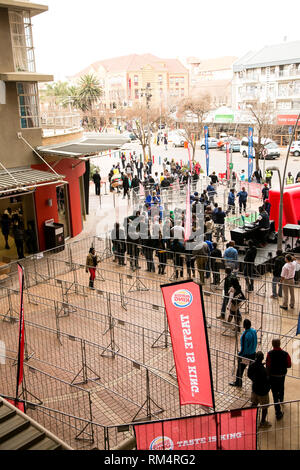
[[192, 111], [263, 116], [137, 119]]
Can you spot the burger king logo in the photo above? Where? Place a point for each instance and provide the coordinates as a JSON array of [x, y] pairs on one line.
[[182, 298], [162, 443]]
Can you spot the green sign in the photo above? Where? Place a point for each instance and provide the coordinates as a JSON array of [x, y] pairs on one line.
[[230, 166], [224, 117]]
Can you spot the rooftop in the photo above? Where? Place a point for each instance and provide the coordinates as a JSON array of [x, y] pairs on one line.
[[210, 65], [34, 8], [134, 63], [278, 54]]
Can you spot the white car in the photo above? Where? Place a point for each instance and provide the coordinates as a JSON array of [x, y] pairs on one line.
[[176, 139], [295, 148], [212, 143], [270, 151]]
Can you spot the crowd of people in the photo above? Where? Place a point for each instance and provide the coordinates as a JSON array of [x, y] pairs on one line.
[[12, 224]]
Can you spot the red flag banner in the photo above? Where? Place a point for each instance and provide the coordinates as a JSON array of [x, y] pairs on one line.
[[21, 332], [185, 312], [18, 404], [227, 160], [229, 430]]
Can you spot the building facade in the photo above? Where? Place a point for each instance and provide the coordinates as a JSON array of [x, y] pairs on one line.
[[270, 75], [32, 190], [212, 77], [123, 80]]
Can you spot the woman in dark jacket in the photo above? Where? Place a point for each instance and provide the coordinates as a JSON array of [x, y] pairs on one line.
[[148, 251], [162, 254], [178, 250]]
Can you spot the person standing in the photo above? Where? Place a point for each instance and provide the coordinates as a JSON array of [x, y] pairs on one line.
[[202, 256], [236, 296], [289, 179], [91, 264], [265, 192], [279, 262], [213, 179], [242, 176], [166, 142], [5, 227], [216, 263], [248, 349], [268, 177], [125, 186], [277, 363], [257, 175], [18, 233], [257, 373], [287, 279], [97, 182], [220, 223], [249, 265], [231, 255], [242, 195], [231, 201], [227, 285]]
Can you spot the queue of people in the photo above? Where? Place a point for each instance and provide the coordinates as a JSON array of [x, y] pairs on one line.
[[12, 224]]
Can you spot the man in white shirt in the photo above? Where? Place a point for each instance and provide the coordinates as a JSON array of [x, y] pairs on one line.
[[287, 279]]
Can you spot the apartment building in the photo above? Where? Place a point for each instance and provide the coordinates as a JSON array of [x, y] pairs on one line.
[[212, 76], [30, 187], [123, 79], [271, 74]]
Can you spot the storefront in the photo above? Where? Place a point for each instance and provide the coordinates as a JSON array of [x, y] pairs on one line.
[[20, 234]]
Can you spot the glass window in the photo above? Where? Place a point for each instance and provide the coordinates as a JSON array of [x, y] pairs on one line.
[[28, 105], [136, 80], [21, 38]]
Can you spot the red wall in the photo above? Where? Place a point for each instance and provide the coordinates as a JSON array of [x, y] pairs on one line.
[[43, 211], [72, 169], [291, 205]]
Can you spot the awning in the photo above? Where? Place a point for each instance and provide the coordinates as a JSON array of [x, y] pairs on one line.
[[86, 146], [20, 179], [25, 77]]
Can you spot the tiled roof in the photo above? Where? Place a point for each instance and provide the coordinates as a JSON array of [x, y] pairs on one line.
[[278, 54], [135, 62]]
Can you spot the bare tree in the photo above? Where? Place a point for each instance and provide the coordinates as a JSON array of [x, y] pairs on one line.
[[192, 112], [139, 120], [263, 117]]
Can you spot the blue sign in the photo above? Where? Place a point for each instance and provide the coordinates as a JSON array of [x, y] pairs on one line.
[[206, 149], [290, 130], [250, 153]]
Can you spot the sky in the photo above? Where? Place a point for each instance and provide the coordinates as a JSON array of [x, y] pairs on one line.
[[75, 33]]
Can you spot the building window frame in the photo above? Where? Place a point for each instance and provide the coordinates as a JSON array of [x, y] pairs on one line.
[[28, 103], [22, 41]]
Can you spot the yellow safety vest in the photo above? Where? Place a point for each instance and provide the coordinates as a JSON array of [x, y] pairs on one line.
[[268, 174], [289, 180]]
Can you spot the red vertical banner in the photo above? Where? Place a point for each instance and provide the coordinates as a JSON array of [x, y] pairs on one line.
[[227, 161], [187, 227], [21, 332], [229, 430], [185, 312]]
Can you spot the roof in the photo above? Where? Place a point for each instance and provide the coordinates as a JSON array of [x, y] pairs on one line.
[[25, 77], [134, 63], [85, 146], [16, 179], [278, 54], [34, 8], [212, 65], [20, 432]]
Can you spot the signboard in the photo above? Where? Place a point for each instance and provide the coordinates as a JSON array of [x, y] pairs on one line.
[[185, 312], [229, 430], [206, 149], [250, 153], [287, 119], [224, 117]]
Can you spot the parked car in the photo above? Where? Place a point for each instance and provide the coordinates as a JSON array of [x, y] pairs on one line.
[[233, 141], [295, 148], [129, 135], [176, 138], [212, 143], [271, 148]]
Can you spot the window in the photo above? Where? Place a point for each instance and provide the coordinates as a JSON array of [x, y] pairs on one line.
[[136, 94], [182, 91], [28, 104], [22, 44], [136, 80], [160, 79]]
